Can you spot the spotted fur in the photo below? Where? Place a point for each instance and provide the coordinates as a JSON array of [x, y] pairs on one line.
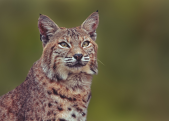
[[57, 87]]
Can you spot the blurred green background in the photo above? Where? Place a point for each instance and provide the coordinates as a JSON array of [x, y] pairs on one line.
[[133, 39]]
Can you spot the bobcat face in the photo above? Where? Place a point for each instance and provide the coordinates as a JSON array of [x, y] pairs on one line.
[[78, 54], [68, 50]]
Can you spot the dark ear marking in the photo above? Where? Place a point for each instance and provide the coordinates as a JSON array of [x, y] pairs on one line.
[[47, 28], [97, 11], [91, 24]]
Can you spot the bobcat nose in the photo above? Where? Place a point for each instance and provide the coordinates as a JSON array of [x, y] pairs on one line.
[[78, 57]]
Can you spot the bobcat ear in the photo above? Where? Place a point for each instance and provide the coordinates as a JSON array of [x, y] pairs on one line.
[[91, 24], [46, 28]]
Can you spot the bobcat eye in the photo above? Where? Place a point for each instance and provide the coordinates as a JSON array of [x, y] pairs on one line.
[[85, 44], [64, 44]]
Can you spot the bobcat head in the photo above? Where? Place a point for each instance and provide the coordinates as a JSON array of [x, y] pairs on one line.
[[68, 51]]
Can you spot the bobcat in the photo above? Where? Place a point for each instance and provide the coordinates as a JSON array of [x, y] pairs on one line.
[[57, 87]]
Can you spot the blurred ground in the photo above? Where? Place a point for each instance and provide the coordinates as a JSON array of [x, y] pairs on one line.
[[133, 39]]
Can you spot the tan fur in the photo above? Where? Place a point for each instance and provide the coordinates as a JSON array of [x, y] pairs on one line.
[[57, 87]]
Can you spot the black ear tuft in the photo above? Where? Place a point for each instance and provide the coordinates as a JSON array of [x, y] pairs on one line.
[[97, 11]]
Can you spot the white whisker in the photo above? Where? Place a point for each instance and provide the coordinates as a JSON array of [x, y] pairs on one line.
[[68, 60], [99, 61]]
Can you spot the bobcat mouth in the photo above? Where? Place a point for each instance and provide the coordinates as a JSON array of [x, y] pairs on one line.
[[76, 64]]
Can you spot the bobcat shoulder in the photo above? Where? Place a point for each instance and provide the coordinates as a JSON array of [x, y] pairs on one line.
[[57, 87]]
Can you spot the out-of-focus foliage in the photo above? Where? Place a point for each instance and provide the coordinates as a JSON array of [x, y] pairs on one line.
[[133, 39]]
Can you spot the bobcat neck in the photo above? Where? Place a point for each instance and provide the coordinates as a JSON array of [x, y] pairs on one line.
[[74, 81], [72, 94]]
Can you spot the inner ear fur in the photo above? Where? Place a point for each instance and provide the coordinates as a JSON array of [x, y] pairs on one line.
[[91, 24], [47, 28]]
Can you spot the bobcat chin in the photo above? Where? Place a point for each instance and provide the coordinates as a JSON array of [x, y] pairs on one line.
[[57, 87]]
